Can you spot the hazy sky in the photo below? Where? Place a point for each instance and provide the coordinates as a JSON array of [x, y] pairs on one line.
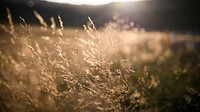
[[89, 2]]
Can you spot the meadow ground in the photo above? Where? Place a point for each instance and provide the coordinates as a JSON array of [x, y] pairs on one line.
[[116, 68]]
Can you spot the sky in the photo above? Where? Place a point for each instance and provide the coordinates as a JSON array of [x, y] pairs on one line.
[[89, 2]]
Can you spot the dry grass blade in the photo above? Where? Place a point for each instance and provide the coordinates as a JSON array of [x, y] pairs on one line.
[[12, 27], [41, 20]]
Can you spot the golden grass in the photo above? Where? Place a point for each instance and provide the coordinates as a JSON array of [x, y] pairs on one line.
[[60, 69]]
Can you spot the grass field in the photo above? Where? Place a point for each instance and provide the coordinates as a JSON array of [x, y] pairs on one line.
[[115, 68]]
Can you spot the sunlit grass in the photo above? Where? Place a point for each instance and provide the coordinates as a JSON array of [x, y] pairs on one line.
[[115, 68]]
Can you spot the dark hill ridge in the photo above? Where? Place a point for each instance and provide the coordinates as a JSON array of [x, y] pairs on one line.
[[179, 15]]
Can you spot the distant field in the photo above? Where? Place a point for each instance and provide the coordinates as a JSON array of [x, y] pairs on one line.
[[109, 69]]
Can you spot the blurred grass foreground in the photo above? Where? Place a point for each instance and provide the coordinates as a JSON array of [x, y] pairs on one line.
[[117, 68]]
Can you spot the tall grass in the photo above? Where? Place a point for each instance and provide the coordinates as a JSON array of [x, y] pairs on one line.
[[98, 70]]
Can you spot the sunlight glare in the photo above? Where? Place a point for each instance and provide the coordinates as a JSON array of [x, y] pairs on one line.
[[89, 2]]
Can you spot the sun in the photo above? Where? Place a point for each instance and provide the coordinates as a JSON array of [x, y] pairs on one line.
[[89, 2]]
